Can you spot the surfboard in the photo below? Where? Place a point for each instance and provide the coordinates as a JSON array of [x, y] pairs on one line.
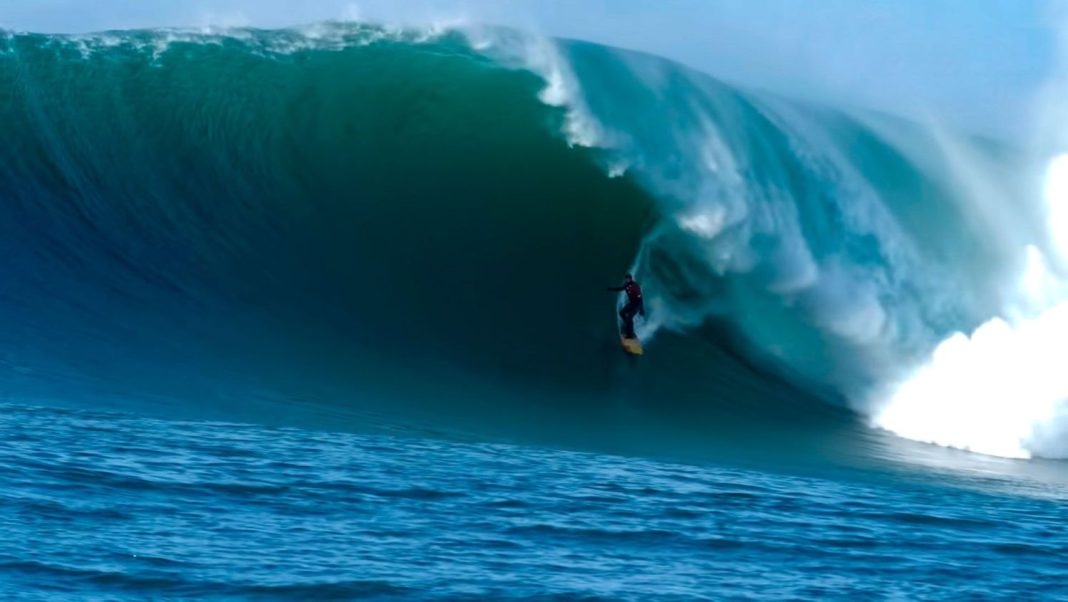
[[631, 346]]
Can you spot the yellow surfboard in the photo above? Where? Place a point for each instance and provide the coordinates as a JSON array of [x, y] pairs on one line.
[[631, 346]]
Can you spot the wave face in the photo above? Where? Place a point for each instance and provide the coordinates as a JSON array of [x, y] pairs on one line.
[[349, 209]]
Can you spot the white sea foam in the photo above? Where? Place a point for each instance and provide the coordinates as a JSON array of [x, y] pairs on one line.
[[329, 36], [1002, 389]]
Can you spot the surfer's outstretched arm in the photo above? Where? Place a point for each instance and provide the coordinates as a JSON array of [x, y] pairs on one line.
[[616, 289]]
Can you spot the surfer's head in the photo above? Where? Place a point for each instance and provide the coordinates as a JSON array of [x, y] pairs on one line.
[[627, 278]]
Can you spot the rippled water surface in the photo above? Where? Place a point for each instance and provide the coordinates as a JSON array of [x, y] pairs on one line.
[[107, 506]]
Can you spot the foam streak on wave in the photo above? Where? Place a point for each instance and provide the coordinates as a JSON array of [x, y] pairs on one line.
[[542, 56]]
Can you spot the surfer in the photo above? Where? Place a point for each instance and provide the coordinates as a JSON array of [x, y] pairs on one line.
[[634, 304]]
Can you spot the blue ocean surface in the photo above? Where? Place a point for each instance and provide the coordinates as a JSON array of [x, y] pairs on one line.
[[106, 506]]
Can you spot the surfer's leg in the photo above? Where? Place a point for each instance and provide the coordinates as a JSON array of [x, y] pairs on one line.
[[627, 313]]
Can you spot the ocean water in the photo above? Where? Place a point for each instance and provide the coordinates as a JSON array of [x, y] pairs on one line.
[[108, 506], [319, 313]]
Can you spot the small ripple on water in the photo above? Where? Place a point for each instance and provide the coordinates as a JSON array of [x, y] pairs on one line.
[[915, 518]]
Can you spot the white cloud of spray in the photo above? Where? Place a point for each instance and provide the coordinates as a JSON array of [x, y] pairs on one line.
[[999, 391], [1003, 389]]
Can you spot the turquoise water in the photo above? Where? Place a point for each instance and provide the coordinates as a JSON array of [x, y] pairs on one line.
[[319, 313]]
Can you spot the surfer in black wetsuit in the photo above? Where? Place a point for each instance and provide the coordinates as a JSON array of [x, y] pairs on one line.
[[634, 305]]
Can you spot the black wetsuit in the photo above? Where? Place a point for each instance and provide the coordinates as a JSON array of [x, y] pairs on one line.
[[634, 306]]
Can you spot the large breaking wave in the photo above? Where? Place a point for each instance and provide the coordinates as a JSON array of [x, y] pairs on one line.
[[343, 207]]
